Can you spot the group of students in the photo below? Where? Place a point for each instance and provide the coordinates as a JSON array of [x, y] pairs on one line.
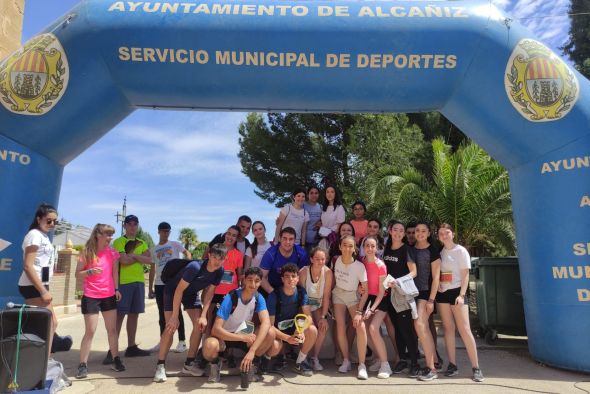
[[251, 296]]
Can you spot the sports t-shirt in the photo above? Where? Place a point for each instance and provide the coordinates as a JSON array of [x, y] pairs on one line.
[[229, 281], [331, 218], [314, 212], [101, 285], [260, 250], [423, 259], [43, 258], [240, 245], [289, 306], [242, 313], [294, 218], [374, 271], [452, 261], [396, 261], [130, 273], [198, 277], [273, 260], [161, 254], [348, 276], [360, 229]]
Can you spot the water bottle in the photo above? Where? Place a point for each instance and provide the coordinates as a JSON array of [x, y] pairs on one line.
[[244, 383]]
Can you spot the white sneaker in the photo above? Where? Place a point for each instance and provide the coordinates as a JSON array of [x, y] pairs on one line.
[[315, 364], [181, 347], [345, 367], [155, 349], [375, 366], [362, 372], [214, 373], [160, 375], [385, 371], [192, 369]]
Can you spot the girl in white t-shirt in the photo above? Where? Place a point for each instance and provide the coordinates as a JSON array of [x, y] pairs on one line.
[[452, 300], [256, 250], [348, 274], [333, 215], [39, 260], [316, 278], [293, 215]]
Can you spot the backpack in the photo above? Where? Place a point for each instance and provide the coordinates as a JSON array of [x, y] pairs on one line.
[[234, 300], [172, 268], [278, 306]]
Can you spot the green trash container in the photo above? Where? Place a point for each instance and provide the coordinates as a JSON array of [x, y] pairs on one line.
[[499, 297]]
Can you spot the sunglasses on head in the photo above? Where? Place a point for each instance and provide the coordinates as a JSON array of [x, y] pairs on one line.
[[52, 221]]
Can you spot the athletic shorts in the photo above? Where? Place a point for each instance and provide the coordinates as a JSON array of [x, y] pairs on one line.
[[344, 297], [424, 295], [94, 305], [30, 291], [449, 296], [190, 300], [383, 305], [132, 298], [233, 345]]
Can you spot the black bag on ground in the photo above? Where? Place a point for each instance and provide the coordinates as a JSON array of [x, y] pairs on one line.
[[172, 268]]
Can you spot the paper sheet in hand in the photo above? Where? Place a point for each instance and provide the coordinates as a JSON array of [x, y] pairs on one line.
[[247, 327]]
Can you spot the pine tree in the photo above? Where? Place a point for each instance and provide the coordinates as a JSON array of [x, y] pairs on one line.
[[578, 46]]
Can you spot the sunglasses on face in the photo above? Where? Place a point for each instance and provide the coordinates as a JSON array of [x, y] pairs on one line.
[[52, 221]]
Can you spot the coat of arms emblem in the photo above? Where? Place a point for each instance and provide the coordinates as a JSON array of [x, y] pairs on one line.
[[34, 78], [539, 84]]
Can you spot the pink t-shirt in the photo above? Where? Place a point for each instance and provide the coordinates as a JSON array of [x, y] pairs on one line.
[[229, 280], [101, 285], [374, 271], [360, 229]]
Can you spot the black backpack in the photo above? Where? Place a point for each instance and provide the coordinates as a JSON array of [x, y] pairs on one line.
[[173, 267]]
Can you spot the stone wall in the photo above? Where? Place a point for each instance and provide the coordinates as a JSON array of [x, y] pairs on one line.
[[11, 25]]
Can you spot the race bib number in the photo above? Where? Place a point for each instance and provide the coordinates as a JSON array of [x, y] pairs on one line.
[[247, 327], [446, 277], [315, 302], [228, 277], [286, 324]]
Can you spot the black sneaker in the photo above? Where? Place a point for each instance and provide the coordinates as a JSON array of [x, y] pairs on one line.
[[477, 375], [264, 365], [303, 368], [134, 351], [451, 370], [231, 361], [279, 363], [118, 365], [400, 367], [82, 371], [429, 375], [438, 365], [108, 359], [415, 371]]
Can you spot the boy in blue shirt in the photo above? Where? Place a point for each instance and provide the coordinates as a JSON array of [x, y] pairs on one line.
[[283, 304], [233, 327]]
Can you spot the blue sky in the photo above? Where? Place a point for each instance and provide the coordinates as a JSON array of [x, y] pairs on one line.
[[186, 170]]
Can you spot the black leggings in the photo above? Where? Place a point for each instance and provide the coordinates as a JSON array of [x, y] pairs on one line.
[[159, 289], [404, 325]]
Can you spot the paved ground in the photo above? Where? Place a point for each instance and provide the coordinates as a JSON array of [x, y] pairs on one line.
[[507, 367]]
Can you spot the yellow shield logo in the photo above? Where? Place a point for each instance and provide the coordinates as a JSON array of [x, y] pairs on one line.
[[34, 78], [540, 86]]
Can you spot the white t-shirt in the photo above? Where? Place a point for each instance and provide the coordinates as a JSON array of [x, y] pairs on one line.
[[241, 246], [451, 263], [161, 254], [45, 256], [259, 253], [348, 276], [294, 218], [332, 218]]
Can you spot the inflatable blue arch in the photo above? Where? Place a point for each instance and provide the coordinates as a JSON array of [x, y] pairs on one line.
[[75, 81]]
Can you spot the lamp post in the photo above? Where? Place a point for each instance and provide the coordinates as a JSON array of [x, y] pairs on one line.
[[121, 216]]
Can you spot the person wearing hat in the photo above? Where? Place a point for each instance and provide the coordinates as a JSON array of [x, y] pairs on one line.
[[134, 253], [161, 253]]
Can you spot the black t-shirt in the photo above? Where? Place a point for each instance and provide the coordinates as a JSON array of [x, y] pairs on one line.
[[220, 238], [396, 261], [423, 259]]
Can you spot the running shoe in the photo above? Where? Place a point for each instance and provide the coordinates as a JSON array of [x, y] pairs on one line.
[[315, 364], [82, 371], [214, 373], [118, 365], [280, 363], [192, 369], [375, 366], [385, 371], [400, 367], [180, 348], [362, 372], [415, 371], [477, 375], [160, 375], [345, 367], [429, 375], [303, 368], [452, 370], [134, 351], [108, 359]]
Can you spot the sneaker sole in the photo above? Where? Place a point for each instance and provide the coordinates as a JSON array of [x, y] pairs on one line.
[[422, 379], [159, 380], [362, 377], [191, 373], [383, 376], [450, 375], [117, 369]]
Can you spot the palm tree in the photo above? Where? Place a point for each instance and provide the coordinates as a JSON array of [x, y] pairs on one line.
[[469, 190], [188, 236]]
